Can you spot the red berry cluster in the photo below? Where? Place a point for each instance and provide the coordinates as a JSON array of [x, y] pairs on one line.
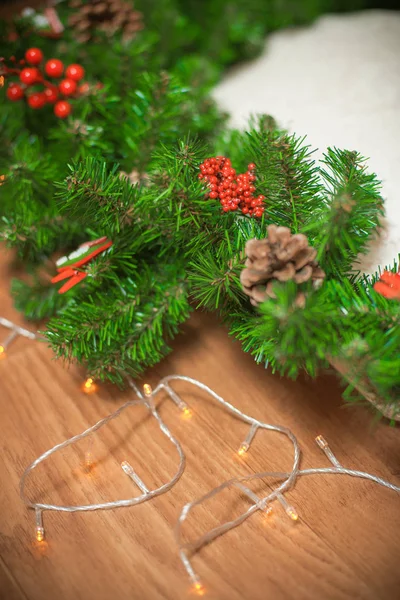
[[233, 191], [49, 93]]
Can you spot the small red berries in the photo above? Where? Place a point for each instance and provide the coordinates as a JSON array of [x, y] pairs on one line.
[[58, 94], [54, 67], [51, 94], [37, 100], [29, 76], [34, 56], [234, 192], [15, 92], [62, 109], [67, 87], [75, 72]]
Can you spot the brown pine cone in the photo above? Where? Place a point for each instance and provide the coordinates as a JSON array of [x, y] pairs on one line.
[[109, 16], [282, 256]]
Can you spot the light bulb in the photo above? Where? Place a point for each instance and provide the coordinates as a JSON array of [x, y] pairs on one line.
[[89, 386], [267, 510], [1, 81], [321, 441], [126, 467], [2, 352], [186, 412], [292, 513], [39, 534], [39, 529], [243, 448], [88, 461], [199, 588], [148, 390]]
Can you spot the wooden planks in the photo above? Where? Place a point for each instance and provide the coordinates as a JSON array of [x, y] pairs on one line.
[[346, 544]]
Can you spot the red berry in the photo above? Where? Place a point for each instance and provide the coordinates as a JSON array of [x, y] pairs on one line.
[[51, 94], [34, 56], [15, 92], [62, 109], [67, 87], [75, 72], [54, 67], [29, 76], [245, 210], [213, 195], [37, 100], [84, 88], [251, 166]]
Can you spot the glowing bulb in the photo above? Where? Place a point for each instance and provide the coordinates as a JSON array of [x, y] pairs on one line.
[[1, 81], [89, 386], [243, 448], [2, 352], [39, 529], [186, 412], [199, 588], [292, 513], [321, 441], [148, 390], [268, 510], [88, 461]]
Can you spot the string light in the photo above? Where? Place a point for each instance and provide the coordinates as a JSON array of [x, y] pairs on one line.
[[2, 80], [199, 588], [148, 390], [244, 446], [15, 330], [186, 412], [289, 510], [243, 449], [39, 529], [89, 386], [287, 479], [128, 469], [88, 461], [321, 442]]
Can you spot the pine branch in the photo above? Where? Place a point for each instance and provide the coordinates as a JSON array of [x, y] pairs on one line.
[[350, 214]]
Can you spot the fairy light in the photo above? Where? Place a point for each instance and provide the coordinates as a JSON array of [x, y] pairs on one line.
[[243, 449], [89, 386], [128, 469], [244, 446], [286, 480], [15, 331], [89, 462], [199, 588], [321, 442], [289, 510], [39, 529], [147, 389], [181, 404], [2, 80], [186, 412]]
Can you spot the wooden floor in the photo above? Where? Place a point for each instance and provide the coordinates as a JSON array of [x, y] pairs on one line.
[[346, 544]]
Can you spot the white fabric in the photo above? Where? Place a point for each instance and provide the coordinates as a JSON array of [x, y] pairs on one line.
[[338, 81]]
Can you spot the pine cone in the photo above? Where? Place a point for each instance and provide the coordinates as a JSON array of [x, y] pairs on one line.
[[109, 16], [279, 257]]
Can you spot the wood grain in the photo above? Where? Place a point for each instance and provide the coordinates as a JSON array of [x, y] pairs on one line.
[[346, 544]]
